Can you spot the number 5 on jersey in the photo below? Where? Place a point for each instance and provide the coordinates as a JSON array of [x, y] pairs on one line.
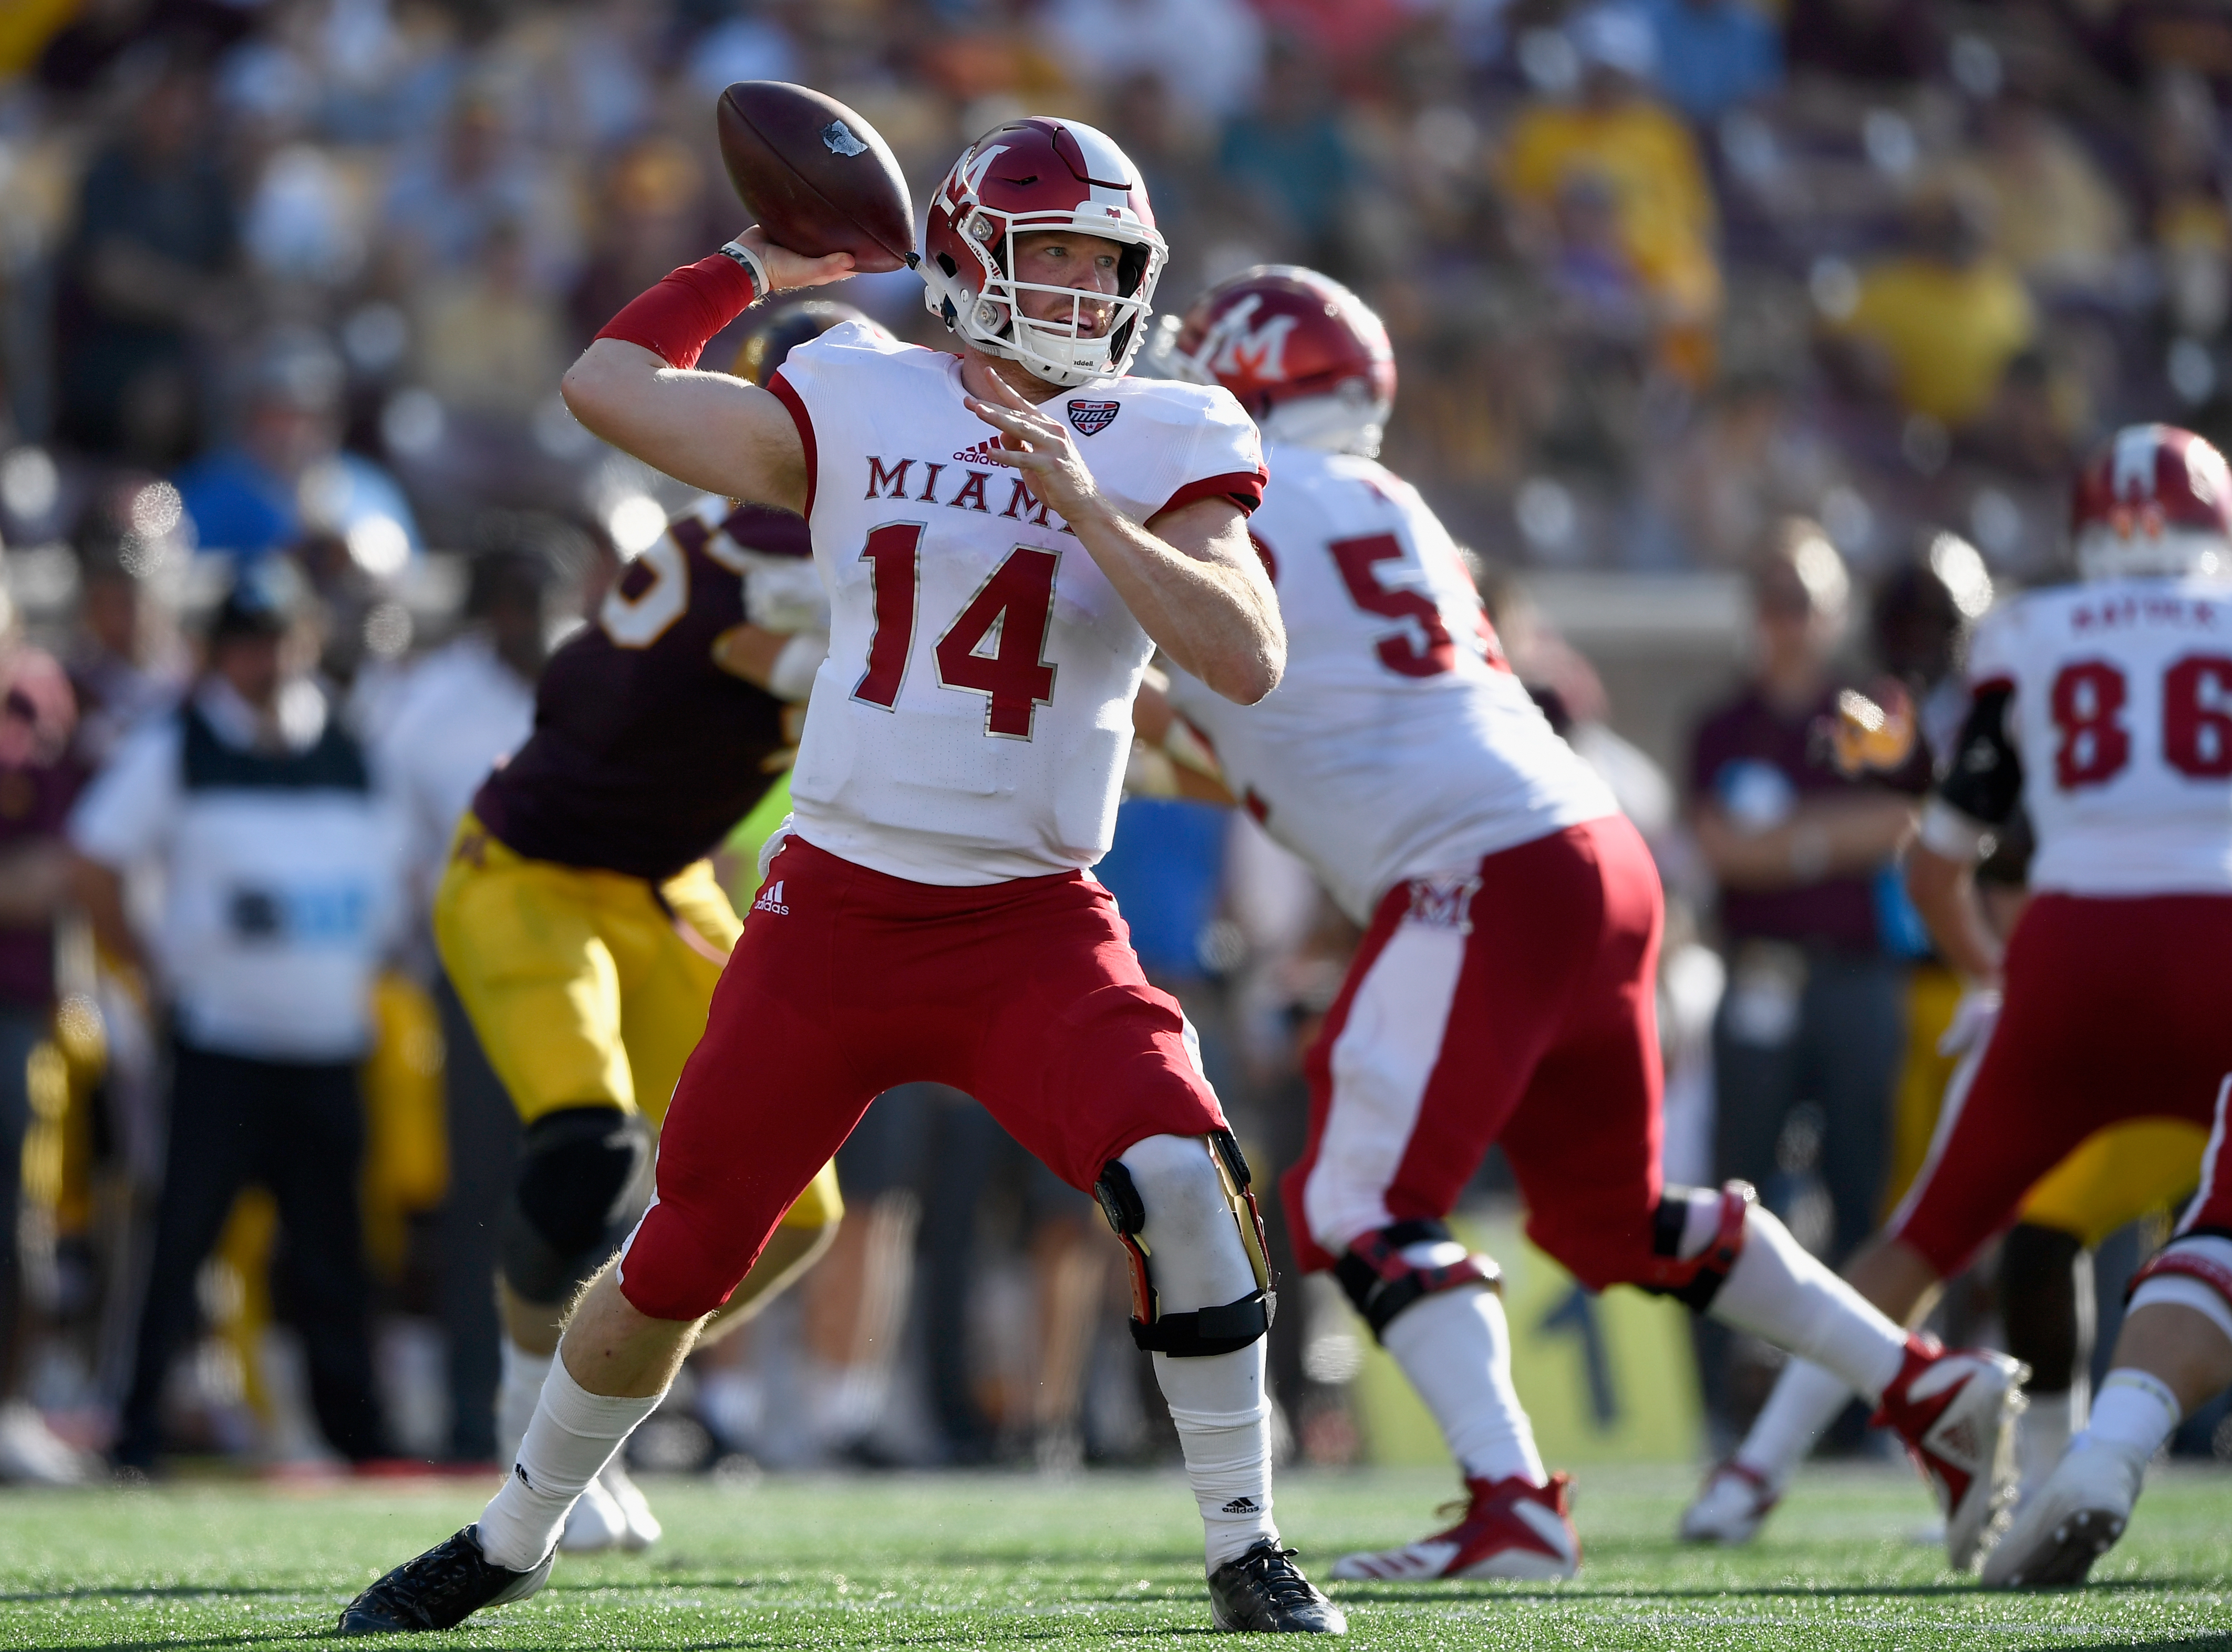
[[1018, 602]]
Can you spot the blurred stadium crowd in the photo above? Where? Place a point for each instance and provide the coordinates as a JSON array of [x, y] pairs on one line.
[[288, 286]]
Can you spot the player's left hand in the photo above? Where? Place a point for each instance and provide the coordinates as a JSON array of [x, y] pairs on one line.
[[1037, 445]]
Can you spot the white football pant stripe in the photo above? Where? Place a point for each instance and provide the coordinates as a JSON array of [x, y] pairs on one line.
[[1382, 1061]]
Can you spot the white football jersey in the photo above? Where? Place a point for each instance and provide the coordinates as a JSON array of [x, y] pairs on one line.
[[972, 721], [2121, 711], [1398, 744]]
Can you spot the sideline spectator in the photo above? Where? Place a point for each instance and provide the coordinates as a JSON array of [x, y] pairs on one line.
[[148, 268], [38, 781], [1617, 142], [278, 863], [2054, 216], [1290, 147], [287, 473], [490, 340], [462, 709], [1209, 53], [1815, 1006], [1712, 54], [1938, 324]]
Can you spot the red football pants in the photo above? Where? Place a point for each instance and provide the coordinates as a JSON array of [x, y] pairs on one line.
[[1025, 993], [2115, 1009], [1516, 1006]]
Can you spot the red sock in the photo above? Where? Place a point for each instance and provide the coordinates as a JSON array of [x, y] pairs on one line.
[[675, 319]]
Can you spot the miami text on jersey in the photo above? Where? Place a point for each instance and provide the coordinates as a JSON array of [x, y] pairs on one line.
[[890, 482]]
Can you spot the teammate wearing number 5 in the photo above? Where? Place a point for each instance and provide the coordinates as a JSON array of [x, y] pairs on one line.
[[1005, 537], [1504, 991]]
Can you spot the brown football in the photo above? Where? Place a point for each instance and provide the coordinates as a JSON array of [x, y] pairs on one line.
[[815, 176]]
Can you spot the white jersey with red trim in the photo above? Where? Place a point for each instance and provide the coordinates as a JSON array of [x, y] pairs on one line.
[[1399, 745], [2121, 708], [972, 721]]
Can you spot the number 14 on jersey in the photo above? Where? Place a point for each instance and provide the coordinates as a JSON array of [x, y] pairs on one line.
[[1010, 669]]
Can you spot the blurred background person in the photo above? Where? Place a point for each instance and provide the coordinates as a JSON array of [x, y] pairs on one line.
[[40, 777], [1805, 859], [254, 806], [459, 711], [148, 278], [285, 472]]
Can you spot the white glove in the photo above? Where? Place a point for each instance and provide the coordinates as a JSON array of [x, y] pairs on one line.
[[1974, 1018], [791, 678], [784, 594]]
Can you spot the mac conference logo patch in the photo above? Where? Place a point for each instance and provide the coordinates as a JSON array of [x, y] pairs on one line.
[[1092, 417]]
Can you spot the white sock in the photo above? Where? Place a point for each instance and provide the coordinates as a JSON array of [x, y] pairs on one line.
[[1804, 1402], [1456, 1348], [573, 1435], [515, 1394], [2043, 1434], [2134, 1411], [1223, 1420], [843, 1401], [1780, 1293]]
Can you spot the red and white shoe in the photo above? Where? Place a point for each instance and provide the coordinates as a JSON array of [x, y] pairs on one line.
[[1729, 1508], [1956, 1412], [1511, 1529]]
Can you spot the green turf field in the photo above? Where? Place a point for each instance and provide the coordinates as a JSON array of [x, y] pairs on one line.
[[964, 1562]]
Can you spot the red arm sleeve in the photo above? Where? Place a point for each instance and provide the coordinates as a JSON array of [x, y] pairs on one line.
[[675, 319]]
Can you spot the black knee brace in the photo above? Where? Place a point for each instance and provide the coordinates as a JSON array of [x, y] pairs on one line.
[[584, 1182], [1224, 1329], [1695, 1281], [1381, 1282]]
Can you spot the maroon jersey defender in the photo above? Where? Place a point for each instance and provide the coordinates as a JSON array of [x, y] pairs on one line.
[[645, 751]]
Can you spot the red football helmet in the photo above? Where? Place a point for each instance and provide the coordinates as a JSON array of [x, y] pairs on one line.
[[1308, 358], [1034, 174], [2155, 500]]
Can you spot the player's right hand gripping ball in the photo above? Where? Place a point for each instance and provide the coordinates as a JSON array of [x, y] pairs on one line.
[[815, 176]]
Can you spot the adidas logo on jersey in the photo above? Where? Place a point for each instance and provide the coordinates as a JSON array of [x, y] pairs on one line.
[[770, 900]]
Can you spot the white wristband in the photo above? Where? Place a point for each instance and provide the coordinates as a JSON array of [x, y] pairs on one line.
[[791, 676], [753, 263], [1945, 831]]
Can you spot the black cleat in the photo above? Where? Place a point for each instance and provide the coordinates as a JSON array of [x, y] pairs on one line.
[[439, 1589], [1265, 1590]]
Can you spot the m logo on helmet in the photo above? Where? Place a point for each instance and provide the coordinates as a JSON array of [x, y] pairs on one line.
[[1092, 417], [1235, 348], [969, 172]]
